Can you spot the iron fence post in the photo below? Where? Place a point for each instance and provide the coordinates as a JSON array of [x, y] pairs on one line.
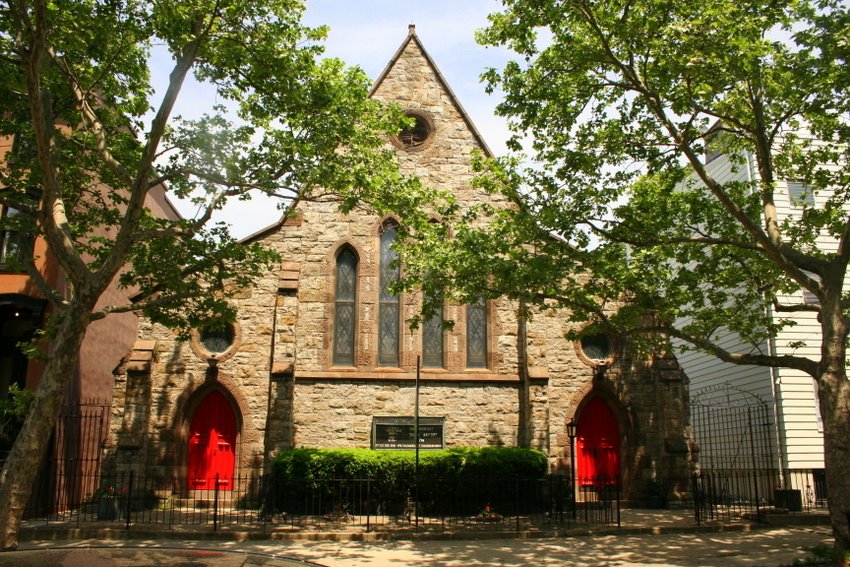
[[170, 505], [696, 497], [618, 500], [753, 456], [127, 503], [265, 504], [516, 502], [215, 504]]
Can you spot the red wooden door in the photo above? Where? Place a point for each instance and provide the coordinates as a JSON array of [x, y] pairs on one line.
[[212, 441], [597, 445]]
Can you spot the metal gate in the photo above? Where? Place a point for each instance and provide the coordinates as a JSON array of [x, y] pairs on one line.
[[733, 429], [71, 469]]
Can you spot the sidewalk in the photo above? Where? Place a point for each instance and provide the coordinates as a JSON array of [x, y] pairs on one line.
[[657, 537]]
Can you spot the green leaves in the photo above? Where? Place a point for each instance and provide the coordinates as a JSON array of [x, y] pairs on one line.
[[86, 174], [616, 214]]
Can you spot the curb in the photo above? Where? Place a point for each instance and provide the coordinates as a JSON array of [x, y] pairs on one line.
[[83, 533]]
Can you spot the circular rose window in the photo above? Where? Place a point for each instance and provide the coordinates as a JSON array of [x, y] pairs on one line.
[[216, 342], [417, 135], [595, 349], [217, 339]]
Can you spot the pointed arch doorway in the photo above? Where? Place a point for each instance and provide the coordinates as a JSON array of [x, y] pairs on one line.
[[597, 445], [212, 444]]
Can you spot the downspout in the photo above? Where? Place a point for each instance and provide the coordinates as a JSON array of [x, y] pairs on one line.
[[524, 414], [266, 440]]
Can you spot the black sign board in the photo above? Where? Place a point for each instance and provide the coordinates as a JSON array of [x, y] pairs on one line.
[[397, 433]]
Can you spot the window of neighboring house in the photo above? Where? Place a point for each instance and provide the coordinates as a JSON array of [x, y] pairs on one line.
[[810, 298], [432, 340], [345, 306], [13, 244], [16, 326], [816, 390], [476, 334], [389, 304], [800, 194]]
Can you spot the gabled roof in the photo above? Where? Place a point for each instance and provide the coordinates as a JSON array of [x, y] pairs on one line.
[[411, 36]]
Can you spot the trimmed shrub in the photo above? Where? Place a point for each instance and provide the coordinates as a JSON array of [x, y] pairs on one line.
[[305, 478], [457, 463]]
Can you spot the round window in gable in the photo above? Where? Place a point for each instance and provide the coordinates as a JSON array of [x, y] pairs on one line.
[[216, 342], [597, 348], [418, 135], [217, 339]]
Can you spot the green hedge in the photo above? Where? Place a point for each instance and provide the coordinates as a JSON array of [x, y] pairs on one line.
[[459, 463], [304, 476]]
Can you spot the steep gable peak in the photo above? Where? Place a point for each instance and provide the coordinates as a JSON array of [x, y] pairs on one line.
[[412, 47]]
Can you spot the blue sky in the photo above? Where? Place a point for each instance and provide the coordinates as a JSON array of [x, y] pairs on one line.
[[367, 33]]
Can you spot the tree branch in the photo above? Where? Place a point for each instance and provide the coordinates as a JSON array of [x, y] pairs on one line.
[[139, 187], [789, 361], [91, 118]]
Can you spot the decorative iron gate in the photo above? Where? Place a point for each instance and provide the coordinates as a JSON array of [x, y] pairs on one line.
[[737, 475], [71, 469]]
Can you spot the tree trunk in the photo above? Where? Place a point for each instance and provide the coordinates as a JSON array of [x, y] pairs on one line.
[[835, 409], [834, 394], [18, 474]]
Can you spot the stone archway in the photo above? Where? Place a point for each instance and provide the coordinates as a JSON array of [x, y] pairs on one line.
[[248, 441], [597, 444], [212, 444], [622, 416]]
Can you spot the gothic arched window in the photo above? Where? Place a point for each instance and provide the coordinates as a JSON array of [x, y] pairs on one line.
[[476, 334], [345, 307], [432, 339], [389, 304]]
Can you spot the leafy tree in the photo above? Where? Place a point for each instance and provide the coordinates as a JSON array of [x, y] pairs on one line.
[[74, 88], [618, 103]]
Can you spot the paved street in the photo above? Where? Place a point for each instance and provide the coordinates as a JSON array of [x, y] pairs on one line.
[[761, 547]]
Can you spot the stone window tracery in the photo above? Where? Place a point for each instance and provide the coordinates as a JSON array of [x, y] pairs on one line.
[[345, 307], [476, 334], [389, 304], [433, 355]]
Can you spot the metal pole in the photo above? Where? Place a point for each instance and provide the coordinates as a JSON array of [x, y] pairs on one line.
[[416, 420], [416, 442], [573, 472], [215, 505], [129, 493]]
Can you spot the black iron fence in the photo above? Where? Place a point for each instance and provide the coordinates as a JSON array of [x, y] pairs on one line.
[[262, 501], [726, 495]]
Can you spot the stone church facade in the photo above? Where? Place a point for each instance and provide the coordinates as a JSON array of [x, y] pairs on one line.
[[320, 356]]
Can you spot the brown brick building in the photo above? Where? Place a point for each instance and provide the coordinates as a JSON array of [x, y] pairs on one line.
[[320, 356]]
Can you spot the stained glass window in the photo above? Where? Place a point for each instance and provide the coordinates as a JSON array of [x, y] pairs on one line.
[[432, 340], [389, 304], [344, 307], [476, 335], [597, 347], [216, 339]]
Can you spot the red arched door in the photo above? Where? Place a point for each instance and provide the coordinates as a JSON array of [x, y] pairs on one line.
[[212, 442], [597, 445]]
